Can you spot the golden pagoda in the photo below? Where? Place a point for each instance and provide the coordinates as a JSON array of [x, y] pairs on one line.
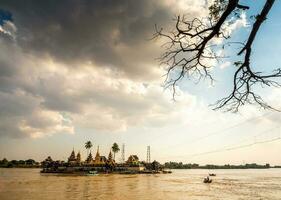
[[90, 159], [133, 159], [72, 157], [99, 160], [110, 159], [78, 157]]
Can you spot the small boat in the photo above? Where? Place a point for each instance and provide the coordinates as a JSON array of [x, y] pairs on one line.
[[166, 171], [212, 174], [207, 180], [92, 173]]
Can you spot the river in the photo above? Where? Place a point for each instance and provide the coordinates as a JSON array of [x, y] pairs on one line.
[[229, 184]]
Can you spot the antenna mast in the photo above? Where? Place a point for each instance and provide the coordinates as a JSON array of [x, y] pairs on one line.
[[148, 154], [123, 153]]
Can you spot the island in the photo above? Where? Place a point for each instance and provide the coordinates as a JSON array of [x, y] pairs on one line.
[[100, 165]]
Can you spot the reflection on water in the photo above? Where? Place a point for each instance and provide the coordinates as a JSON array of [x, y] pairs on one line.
[[181, 184]]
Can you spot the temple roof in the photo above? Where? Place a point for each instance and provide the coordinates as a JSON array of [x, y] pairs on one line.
[[72, 156], [78, 155], [133, 158], [103, 158], [110, 156], [98, 153], [90, 157]]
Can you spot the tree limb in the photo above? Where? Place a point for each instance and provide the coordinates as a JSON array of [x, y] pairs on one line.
[[188, 53]]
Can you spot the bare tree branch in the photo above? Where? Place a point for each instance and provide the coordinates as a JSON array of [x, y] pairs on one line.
[[244, 78], [188, 53]]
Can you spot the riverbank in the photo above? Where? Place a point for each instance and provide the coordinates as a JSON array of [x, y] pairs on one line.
[[92, 170]]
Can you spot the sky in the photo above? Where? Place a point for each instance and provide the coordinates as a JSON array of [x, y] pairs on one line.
[[79, 70]]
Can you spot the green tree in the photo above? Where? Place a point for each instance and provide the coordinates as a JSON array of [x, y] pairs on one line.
[[115, 148], [30, 162], [88, 146], [4, 162]]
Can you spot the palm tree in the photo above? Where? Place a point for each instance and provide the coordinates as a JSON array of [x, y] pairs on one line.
[[115, 149], [88, 145]]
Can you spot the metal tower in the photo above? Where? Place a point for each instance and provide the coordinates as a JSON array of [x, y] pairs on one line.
[[123, 153], [148, 154]]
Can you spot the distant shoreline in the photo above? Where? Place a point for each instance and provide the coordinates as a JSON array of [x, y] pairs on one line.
[[30, 163], [277, 167], [180, 165], [200, 167], [204, 167]]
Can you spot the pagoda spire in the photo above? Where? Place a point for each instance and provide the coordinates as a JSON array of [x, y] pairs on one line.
[[78, 157], [72, 156], [110, 156], [90, 158], [98, 151]]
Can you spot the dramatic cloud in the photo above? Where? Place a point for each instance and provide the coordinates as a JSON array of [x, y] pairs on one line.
[[106, 33], [39, 96], [80, 63]]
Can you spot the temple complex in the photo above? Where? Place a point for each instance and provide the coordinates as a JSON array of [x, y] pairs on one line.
[[98, 161], [98, 164]]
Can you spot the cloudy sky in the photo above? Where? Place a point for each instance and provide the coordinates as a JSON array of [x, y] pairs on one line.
[[78, 70]]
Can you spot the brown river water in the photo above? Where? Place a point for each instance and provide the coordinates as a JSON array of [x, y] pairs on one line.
[[231, 184]]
